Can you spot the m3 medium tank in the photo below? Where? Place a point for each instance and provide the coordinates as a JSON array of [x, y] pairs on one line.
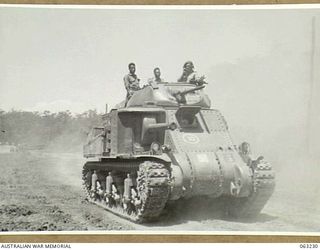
[[167, 144]]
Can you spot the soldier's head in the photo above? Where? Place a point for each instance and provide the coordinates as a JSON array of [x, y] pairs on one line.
[[132, 68], [157, 72], [245, 148], [188, 66]]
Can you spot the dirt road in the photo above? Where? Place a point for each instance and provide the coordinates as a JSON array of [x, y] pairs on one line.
[[42, 191]]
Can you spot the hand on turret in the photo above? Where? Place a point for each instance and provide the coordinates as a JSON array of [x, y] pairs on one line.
[[201, 80]]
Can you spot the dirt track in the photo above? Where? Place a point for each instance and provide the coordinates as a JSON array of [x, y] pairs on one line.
[[42, 191]]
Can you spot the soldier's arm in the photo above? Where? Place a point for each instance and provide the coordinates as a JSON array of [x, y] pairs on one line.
[[194, 78], [180, 79], [150, 80], [126, 82]]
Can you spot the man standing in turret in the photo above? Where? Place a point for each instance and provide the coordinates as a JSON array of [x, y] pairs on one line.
[[190, 75], [131, 81]]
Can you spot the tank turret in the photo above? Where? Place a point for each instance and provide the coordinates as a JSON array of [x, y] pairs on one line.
[[170, 95]]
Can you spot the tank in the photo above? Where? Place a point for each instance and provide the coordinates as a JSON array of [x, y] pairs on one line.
[[167, 144]]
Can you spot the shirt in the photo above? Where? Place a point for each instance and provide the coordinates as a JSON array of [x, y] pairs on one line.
[[188, 77], [153, 79], [131, 82]]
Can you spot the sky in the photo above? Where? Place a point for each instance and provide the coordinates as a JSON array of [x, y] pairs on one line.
[[258, 63], [76, 59]]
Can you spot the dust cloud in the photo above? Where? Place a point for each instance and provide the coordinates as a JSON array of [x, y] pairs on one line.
[[267, 102], [68, 143]]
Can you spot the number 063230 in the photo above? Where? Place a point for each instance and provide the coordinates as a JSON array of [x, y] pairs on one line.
[[309, 245]]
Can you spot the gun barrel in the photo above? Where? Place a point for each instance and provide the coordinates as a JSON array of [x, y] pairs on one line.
[[158, 126], [191, 90]]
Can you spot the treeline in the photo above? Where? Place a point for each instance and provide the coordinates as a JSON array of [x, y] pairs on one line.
[[61, 131]]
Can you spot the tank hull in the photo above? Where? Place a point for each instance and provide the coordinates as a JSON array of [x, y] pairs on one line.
[[162, 149]]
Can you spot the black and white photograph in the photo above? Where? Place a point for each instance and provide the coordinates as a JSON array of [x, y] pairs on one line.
[[160, 119]]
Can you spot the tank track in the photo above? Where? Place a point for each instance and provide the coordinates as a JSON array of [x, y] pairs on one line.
[[152, 186], [262, 189]]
